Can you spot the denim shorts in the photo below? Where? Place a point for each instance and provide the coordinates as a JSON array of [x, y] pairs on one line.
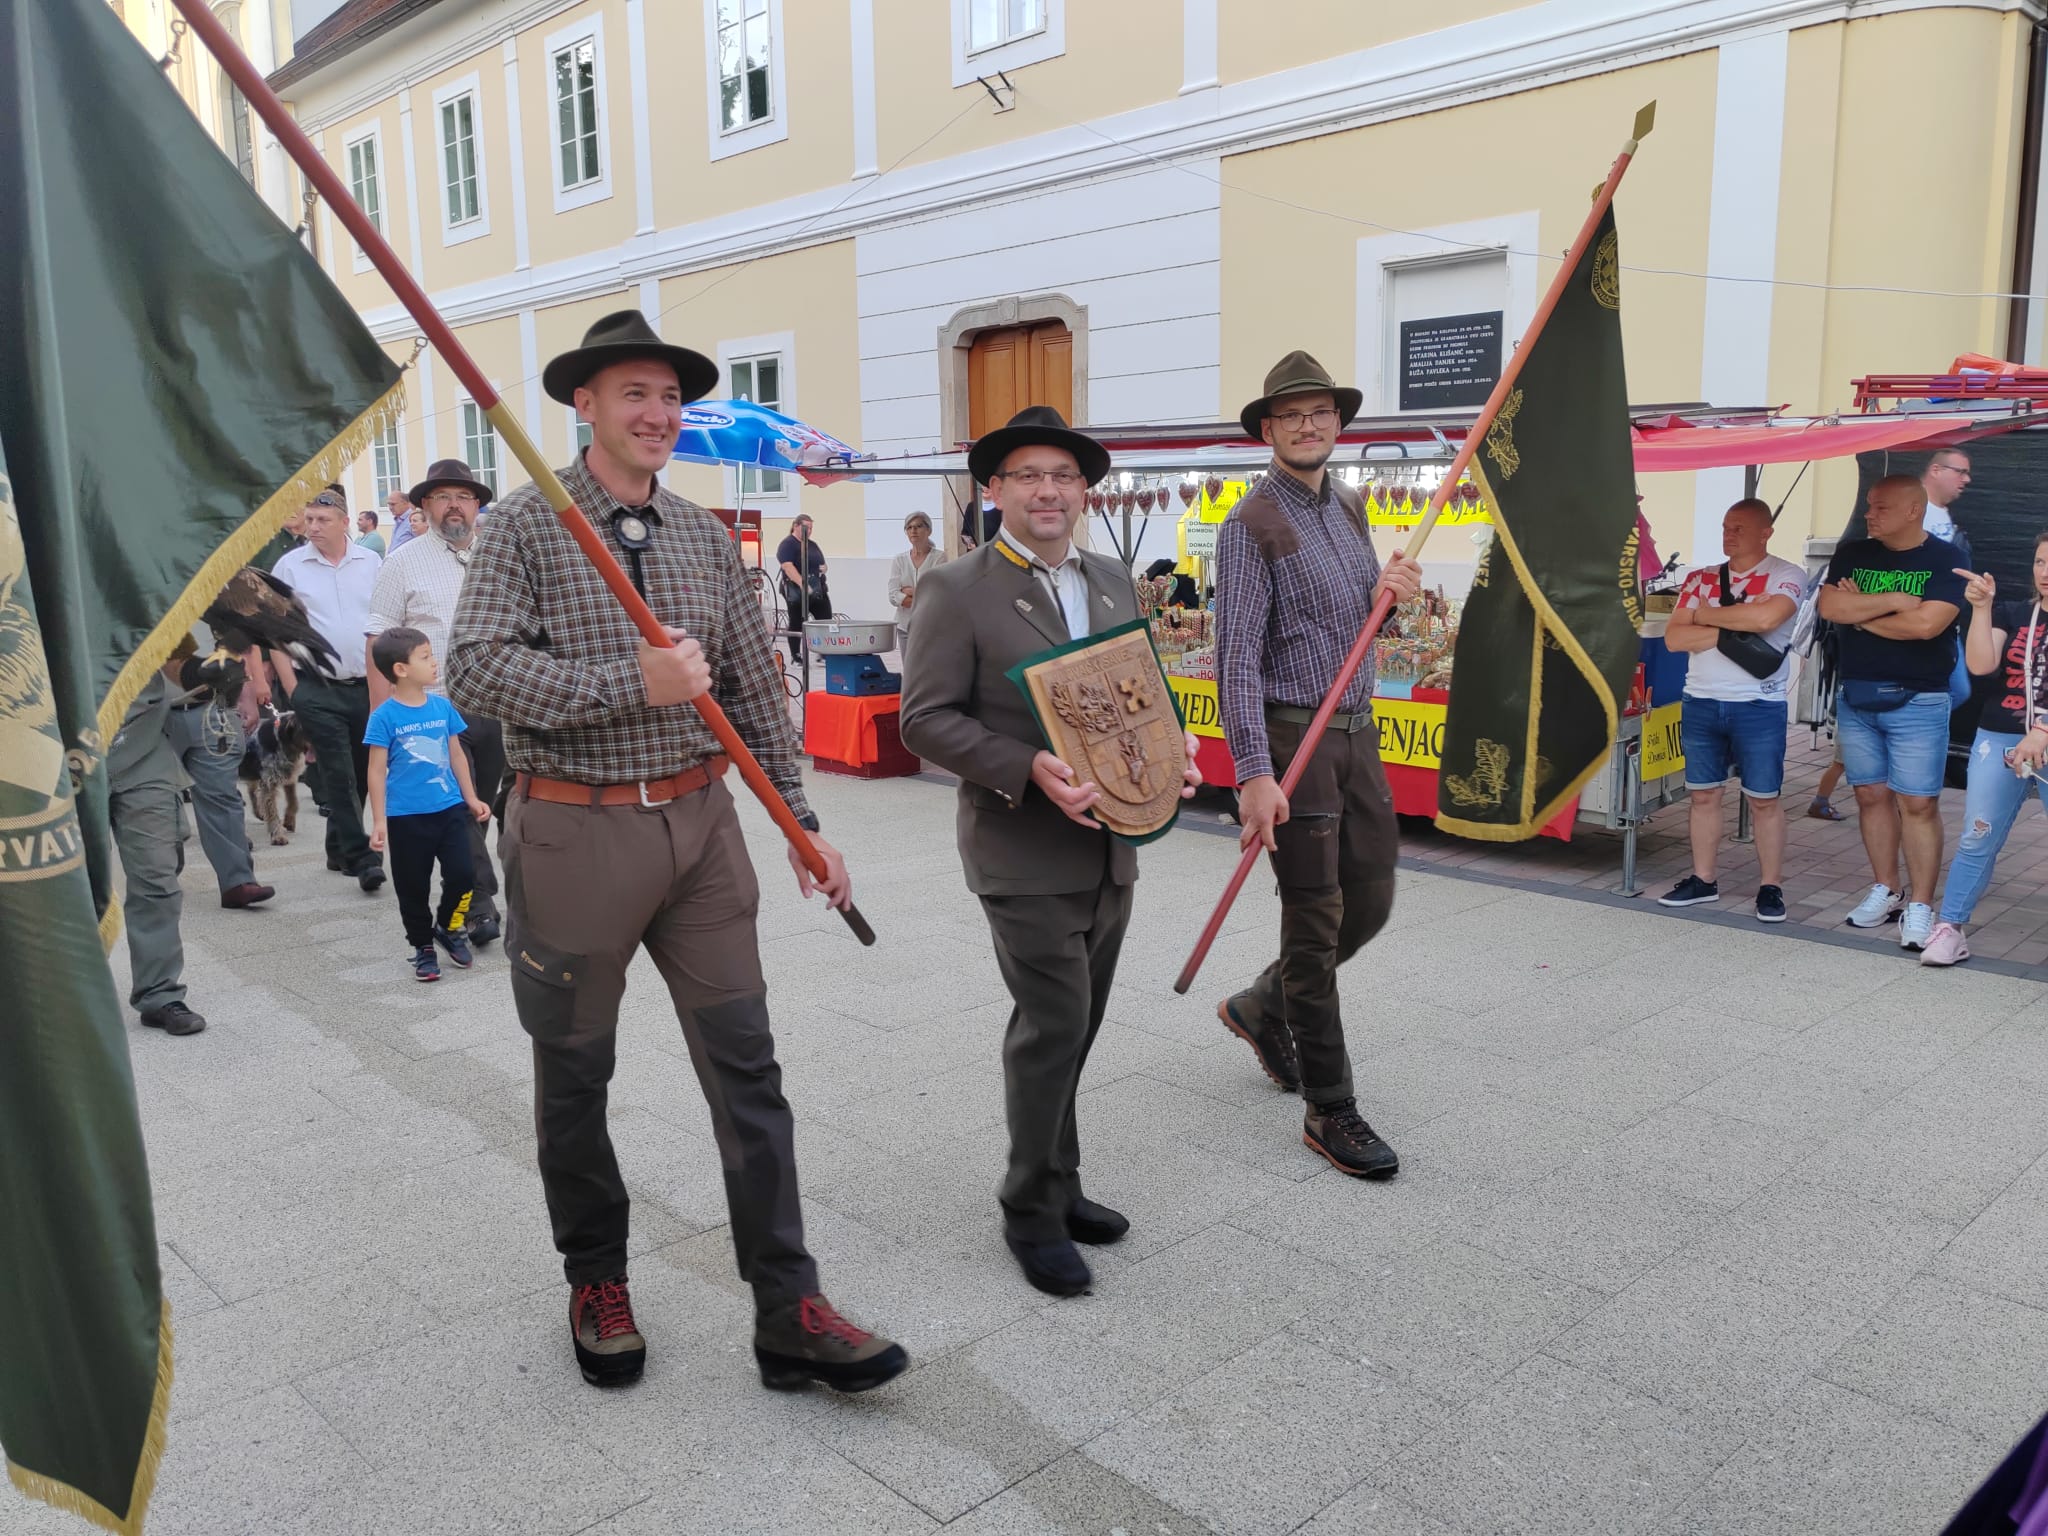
[[1745, 738], [1904, 749]]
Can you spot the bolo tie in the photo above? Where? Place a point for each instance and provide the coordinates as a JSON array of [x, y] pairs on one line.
[[630, 529]]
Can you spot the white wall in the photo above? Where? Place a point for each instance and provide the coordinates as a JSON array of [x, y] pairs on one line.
[[1141, 253]]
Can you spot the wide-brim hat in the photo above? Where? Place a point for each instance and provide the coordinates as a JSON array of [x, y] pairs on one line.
[[449, 472], [617, 338], [1298, 374], [1030, 427]]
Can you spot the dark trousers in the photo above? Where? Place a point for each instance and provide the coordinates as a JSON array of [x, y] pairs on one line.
[[333, 715], [1335, 867], [484, 741], [586, 888], [1058, 957], [417, 844], [819, 605]]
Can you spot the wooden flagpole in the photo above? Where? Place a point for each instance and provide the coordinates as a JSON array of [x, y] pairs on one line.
[[342, 204], [1602, 199]]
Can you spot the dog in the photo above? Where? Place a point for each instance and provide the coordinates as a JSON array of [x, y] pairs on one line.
[[271, 764]]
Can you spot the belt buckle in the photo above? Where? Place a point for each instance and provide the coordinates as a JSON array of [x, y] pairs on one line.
[[641, 785]]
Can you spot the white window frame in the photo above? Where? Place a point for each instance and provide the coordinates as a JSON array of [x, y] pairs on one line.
[[583, 194], [774, 128], [1048, 42], [492, 474], [1514, 233], [780, 345], [577, 427], [374, 136], [382, 486], [458, 231]]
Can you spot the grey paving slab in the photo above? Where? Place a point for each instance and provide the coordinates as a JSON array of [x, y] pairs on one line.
[[1194, 1448], [1836, 1463], [371, 1316]]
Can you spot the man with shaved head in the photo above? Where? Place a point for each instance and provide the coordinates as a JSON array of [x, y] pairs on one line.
[[1734, 719], [1895, 596]]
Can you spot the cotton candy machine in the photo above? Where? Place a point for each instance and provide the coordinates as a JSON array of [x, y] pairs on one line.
[[852, 651]]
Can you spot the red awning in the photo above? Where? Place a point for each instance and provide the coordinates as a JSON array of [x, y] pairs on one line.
[[1679, 448]]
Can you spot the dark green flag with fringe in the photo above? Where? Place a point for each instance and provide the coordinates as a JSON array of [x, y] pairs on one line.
[[176, 375], [1547, 644]]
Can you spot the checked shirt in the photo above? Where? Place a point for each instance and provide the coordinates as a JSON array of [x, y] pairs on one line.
[[540, 644], [1294, 580]]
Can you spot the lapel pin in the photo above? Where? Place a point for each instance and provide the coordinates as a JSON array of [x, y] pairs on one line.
[[1106, 601], [1022, 606]]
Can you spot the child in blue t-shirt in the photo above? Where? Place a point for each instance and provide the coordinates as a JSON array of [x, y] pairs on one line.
[[422, 800]]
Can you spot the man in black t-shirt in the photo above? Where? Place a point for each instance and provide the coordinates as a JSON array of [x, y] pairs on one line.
[[1894, 597], [803, 581]]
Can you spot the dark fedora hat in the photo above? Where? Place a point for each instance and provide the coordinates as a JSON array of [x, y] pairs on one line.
[[616, 338], [1297, 374], [448, 472], [1033, 425]]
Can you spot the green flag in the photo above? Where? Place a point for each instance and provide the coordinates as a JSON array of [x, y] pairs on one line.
[[176, 375], [1548, 642]]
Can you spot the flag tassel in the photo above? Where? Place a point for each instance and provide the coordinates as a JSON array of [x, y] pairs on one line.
[[67, 1498], [1476, 435]]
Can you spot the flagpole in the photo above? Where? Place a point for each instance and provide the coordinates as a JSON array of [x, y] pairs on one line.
[[1474, 436], [313, 165]]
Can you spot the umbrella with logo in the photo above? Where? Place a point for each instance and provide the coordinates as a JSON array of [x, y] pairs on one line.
[[741, 432]]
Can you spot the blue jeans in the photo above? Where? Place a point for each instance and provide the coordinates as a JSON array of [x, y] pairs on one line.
[[1904, 749], [1991, 803], [1745, 738]]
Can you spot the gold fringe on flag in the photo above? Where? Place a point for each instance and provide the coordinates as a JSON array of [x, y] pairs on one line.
[[67, 1498]]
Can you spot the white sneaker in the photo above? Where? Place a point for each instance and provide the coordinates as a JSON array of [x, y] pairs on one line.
[[1876, 909], [1917, 926]]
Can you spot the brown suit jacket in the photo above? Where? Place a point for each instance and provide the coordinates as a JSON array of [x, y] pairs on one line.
[[976, 618]]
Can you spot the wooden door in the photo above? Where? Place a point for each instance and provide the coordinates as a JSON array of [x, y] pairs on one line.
[[1017, 366]]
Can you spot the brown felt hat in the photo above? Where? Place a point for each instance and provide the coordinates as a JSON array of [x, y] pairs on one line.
[[616, 338], [449, 472], [1033, 425], [1298, 374]]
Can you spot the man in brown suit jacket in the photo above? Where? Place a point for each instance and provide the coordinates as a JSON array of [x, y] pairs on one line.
[[1055, 886]]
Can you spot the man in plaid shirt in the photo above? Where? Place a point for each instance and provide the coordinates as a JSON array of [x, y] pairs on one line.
[[1295, 578], [620, 834]]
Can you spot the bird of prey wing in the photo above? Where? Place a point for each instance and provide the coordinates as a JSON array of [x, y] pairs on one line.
[[255, 608]]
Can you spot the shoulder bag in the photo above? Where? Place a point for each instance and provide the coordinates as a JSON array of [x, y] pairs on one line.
[[1747, 649]]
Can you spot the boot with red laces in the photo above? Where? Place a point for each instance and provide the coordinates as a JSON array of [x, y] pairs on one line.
[[805, 1341], [608, 1343]]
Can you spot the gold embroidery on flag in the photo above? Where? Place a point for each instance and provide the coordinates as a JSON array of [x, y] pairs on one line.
[[1500, 438], [1607, 272]]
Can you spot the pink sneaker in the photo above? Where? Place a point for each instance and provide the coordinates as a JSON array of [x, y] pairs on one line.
[[1946, 947]]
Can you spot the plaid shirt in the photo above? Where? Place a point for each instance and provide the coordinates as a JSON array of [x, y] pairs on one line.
[[1294, 580], [540, 643]]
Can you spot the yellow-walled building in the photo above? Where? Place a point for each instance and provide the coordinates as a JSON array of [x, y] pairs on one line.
[[892, 217]]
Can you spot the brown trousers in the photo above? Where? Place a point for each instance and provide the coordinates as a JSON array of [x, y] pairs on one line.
[[1335, 867], [587, 887]]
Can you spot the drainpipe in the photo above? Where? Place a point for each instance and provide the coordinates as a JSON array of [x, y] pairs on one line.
[[2024, 236]]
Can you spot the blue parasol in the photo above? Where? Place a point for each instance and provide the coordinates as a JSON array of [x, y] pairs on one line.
[[741, 432]]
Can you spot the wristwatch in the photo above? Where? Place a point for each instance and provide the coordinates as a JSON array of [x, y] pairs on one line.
[[808, 821]]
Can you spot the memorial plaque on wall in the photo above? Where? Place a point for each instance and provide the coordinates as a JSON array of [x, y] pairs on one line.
[[1449, 361]]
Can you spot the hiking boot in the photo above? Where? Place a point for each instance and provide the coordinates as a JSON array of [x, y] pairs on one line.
[[1770, 904], [247, 894], [1091, 1222], [1271, 1041], [609, 1347], [425, 966], [1690, 892], [1340, 1133], [1876, 909], [460, 955], [1946, 947], [805, 1341], [1916, 927], [173, 1019]]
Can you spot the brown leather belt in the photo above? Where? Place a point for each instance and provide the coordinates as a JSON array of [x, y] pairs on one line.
[[644, 792], [1348, 724]]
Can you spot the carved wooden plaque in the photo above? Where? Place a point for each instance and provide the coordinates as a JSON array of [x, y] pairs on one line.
[[1109, 715]]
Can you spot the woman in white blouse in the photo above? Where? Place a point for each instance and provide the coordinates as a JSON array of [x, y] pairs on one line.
[[908, 569]]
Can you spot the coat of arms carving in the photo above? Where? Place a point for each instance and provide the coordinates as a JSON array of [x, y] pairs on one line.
[[1109, 715]]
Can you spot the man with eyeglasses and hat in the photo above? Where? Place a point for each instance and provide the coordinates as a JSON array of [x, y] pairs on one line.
[[620, 834], [1054, 886], [417, 588], [1296, 575]]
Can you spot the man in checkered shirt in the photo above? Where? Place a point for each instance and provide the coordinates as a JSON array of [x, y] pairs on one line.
[[620, 834]]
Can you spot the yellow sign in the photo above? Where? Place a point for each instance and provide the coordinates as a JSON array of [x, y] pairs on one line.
[[1197, 698], [1663, 751], [1408, 514], [1410, 733]]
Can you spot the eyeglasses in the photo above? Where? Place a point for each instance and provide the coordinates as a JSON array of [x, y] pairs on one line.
[[1029, 479], [1294, 421]]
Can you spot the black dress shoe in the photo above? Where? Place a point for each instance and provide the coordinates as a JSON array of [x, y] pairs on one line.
[[371, 877], [1088, 1222], [1055, 1267], [484, 930], [173, 1019]]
